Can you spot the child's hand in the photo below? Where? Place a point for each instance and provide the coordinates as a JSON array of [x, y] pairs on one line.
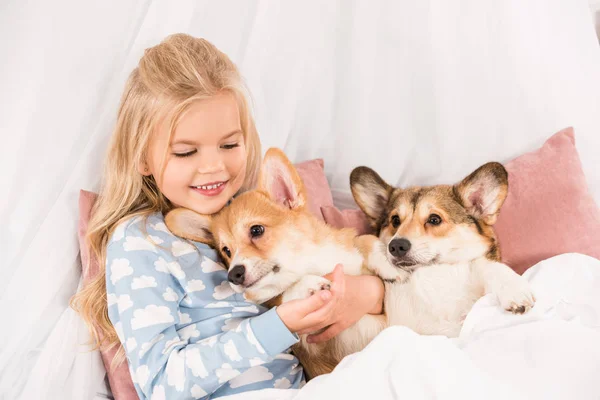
[[305, 314], [353, 297]]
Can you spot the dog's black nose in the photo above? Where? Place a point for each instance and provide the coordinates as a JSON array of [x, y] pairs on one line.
[[399, 247], [236, 274]]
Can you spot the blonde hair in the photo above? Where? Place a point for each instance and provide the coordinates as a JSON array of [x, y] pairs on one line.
[[167, 80]]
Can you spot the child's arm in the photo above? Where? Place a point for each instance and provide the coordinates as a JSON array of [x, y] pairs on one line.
[[145, 294], [144, 308]]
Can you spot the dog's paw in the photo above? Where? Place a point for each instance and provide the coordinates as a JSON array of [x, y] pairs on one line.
[[306, 287], [314, 284], [393, 275], [517, 297]]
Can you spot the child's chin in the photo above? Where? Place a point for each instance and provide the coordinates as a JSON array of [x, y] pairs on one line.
[[209, 205]]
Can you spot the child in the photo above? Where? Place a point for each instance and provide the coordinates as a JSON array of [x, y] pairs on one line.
[[185, 137]]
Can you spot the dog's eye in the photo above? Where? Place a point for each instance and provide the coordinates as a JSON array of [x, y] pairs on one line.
[[395, 221], [257, 231], [434, 219], [226, 251]]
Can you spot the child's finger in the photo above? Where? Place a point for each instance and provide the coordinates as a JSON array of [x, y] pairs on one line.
[[327, 334], [322, 316], [313, 303], [332, 275], [338, 279]]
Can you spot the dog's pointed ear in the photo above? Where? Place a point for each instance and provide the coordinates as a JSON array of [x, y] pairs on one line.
[[483, 192], [190, 225], [370, 192], [280, 180]]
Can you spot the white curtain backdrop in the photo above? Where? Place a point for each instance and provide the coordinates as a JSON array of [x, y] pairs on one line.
[[423, 91]]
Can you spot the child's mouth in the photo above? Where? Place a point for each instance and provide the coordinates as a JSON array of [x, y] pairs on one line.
[[210, 189]]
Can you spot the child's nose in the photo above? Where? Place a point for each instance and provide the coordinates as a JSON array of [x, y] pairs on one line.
[[210, 162]]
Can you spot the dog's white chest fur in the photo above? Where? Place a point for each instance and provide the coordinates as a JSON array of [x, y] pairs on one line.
[[321, 259], [435, 300]]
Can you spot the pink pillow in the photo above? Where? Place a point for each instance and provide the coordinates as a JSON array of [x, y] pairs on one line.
[[548, 210], [317, 188], [319, 195], [119, 379], [347, 219]]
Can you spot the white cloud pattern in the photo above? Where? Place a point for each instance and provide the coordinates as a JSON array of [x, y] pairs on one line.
[[112, 299], [226, 373], [223, 291], [170, 295], [184, 318], [151, 315], [231, 351], [176, 371], [119, 330], [198, 392], [135, 243], [155, 239], [173, 267], [124, 303], [255, 361], [195, 285], [146, 346], [209, 265], [179, 248], [142, 374], [170, 344], [251, 308], [158, 393], [283, 383], [131, 344], [161, 227], [195, 364], [218, 304], [143, 282], [188, 332], [253, 340], [232, 324], [119, 268], [250, 376]]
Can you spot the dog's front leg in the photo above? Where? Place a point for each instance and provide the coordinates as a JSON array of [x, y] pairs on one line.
[[375, 255], [305, 287], [513, 291]]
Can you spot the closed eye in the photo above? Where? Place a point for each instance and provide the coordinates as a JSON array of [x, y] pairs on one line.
[[230, 146], [187, 154]]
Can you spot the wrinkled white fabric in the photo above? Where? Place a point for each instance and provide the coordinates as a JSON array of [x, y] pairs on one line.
[[422, 91]]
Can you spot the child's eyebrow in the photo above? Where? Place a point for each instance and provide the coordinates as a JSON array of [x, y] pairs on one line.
[[237, 131], [193, 143]]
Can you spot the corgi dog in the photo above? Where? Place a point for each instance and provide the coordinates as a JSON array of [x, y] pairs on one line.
[[443, 237], [277, 251]]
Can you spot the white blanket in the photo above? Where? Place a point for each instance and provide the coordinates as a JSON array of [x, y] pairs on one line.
[[553, 352]]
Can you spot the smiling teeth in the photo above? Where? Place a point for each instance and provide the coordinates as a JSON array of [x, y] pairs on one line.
[[209, 187]]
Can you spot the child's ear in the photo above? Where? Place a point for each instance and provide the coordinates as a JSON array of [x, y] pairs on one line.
[[483, 192], [370, 192], [190, 225], [280, 180]]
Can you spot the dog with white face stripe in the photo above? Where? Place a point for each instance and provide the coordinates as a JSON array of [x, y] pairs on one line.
[[443, 237]]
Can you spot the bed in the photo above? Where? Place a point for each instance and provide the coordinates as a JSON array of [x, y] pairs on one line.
[[421, 91]]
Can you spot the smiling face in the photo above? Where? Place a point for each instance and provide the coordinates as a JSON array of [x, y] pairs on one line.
[[260, 234], [438, 224], [206, 158]]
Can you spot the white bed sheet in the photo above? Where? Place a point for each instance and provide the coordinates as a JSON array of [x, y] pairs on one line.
[[551, 353], [421, 91]]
